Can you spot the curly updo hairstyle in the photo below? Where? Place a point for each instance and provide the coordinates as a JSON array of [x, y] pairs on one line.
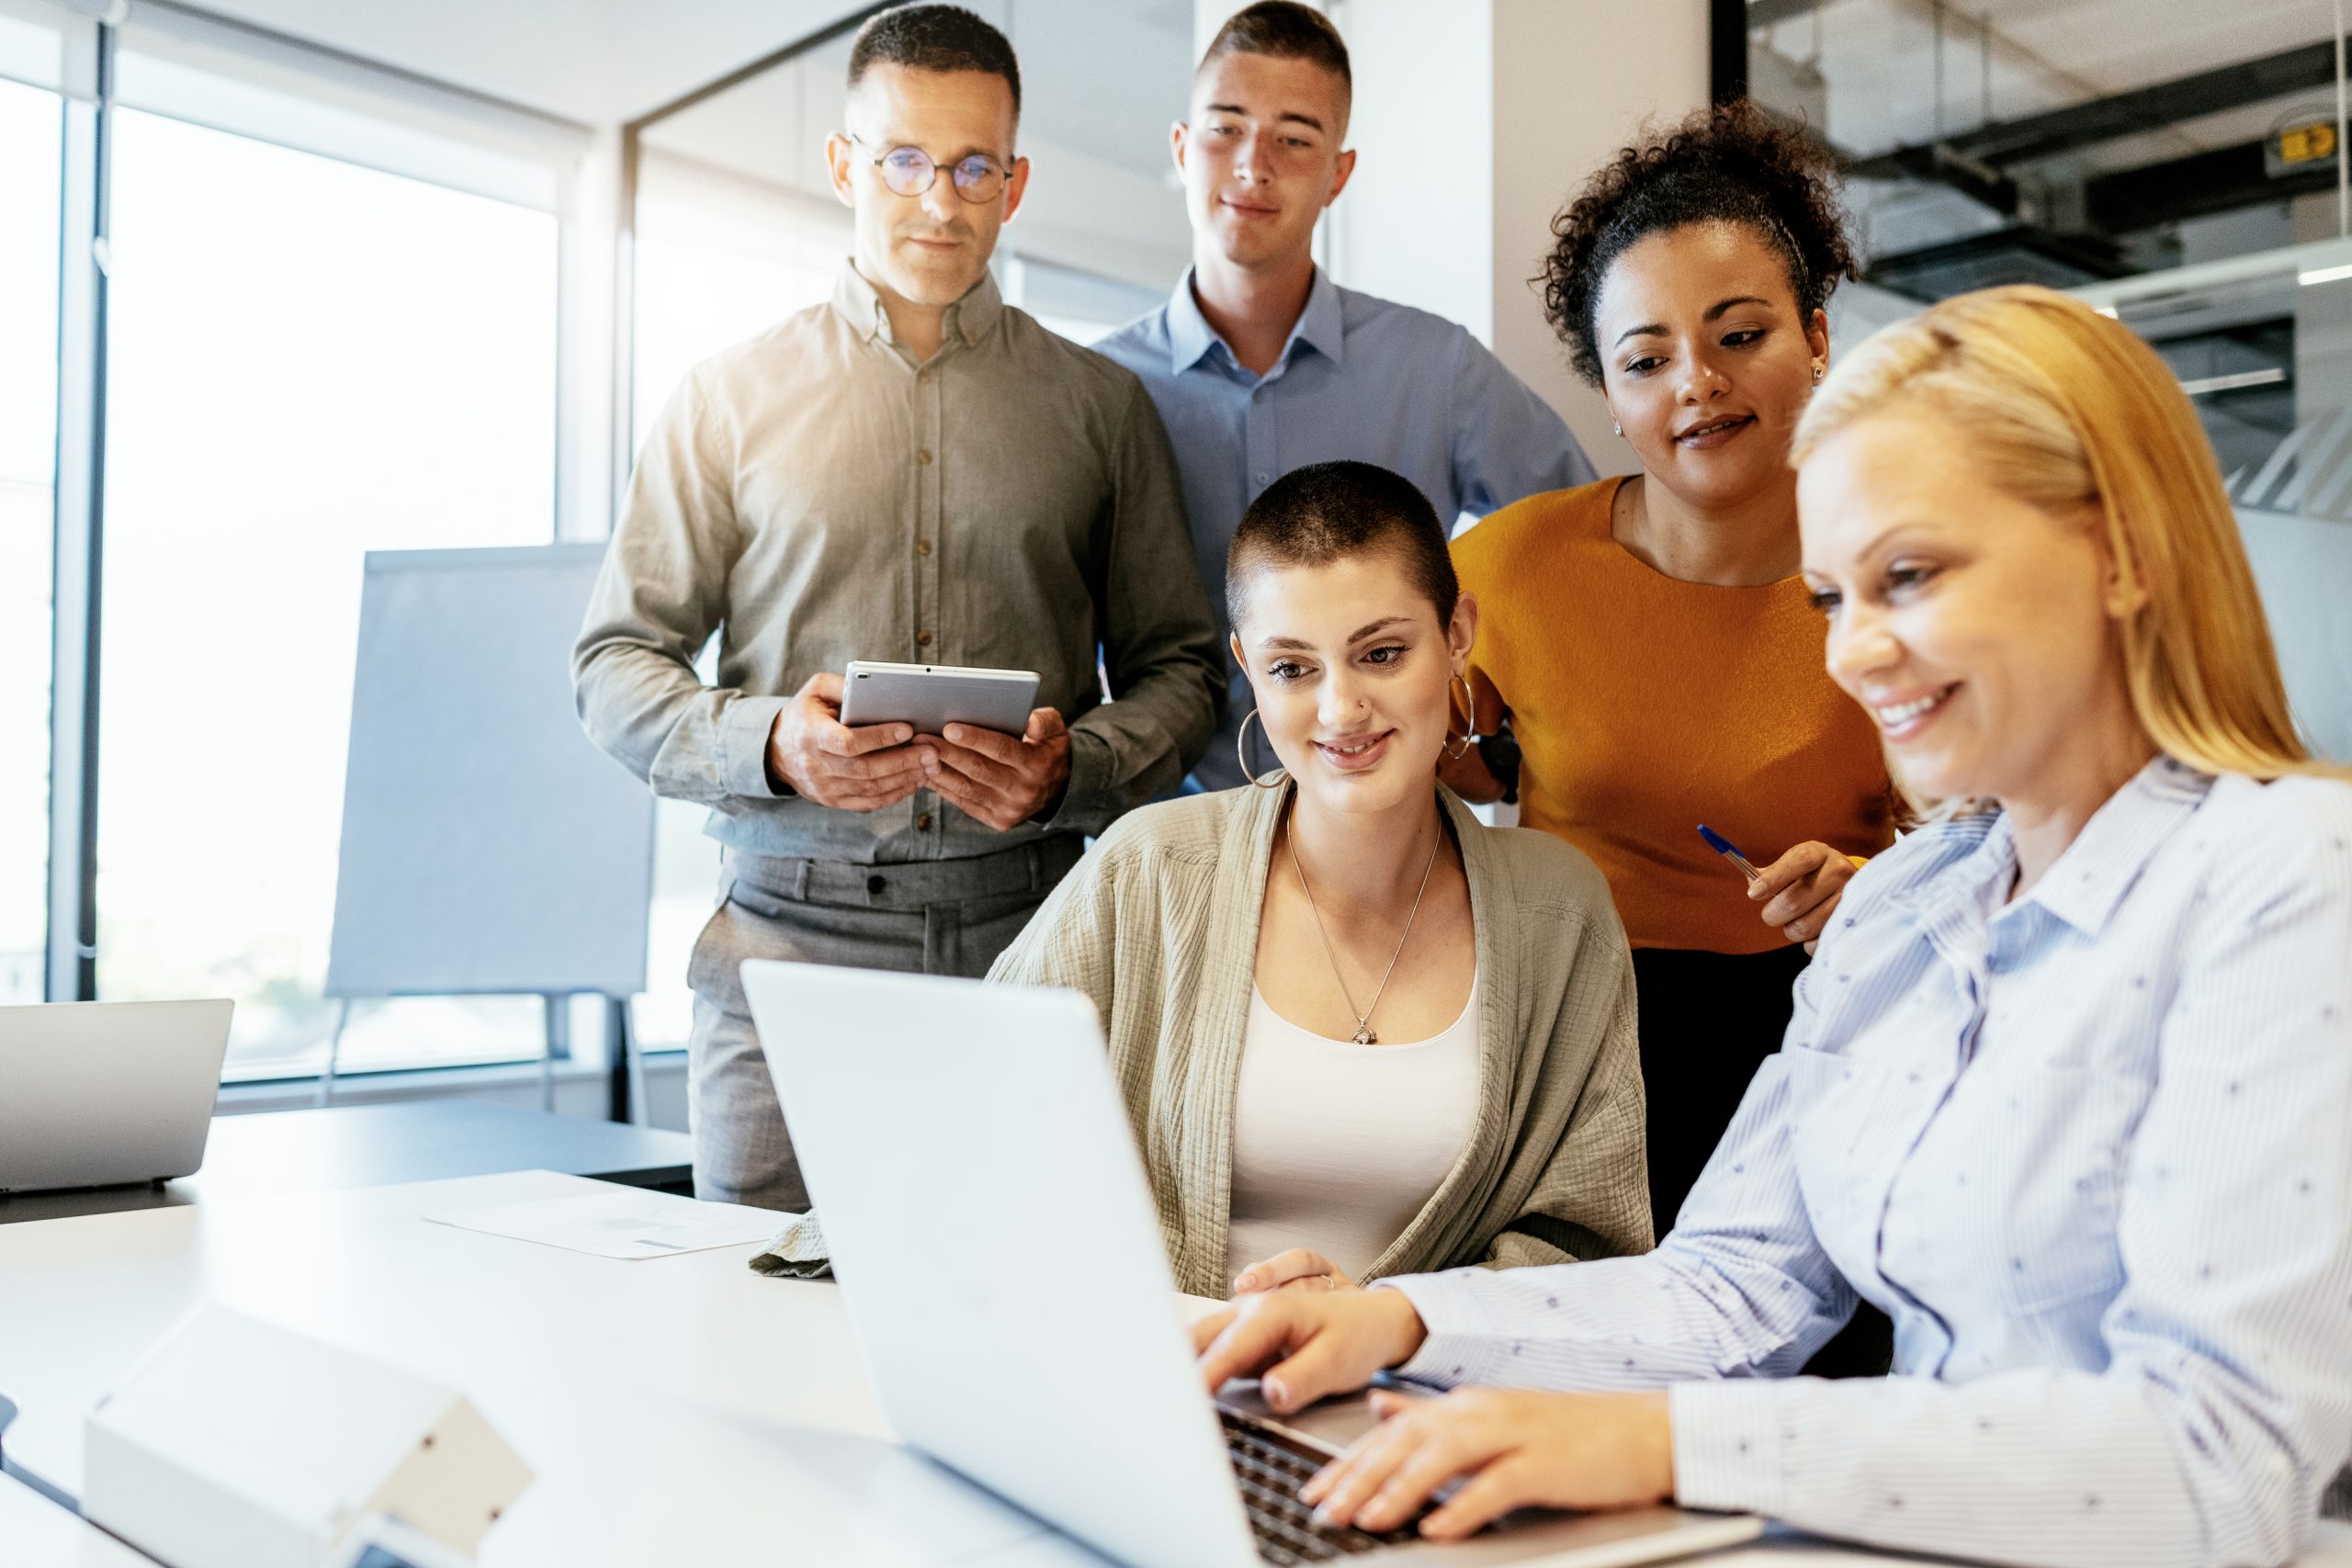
[[1729, 163]]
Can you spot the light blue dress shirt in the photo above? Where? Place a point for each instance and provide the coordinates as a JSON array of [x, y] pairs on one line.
[[2090, 1149], [1361, 379]]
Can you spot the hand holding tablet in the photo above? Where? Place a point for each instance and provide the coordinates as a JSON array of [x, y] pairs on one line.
[[814, 755], [1001, 760], [872, 737], [1004, 779]]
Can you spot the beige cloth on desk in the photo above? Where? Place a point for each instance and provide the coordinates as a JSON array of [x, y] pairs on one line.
[[797, 1252], [1159, 926]]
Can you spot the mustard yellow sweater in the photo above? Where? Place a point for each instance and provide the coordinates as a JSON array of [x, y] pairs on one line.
[[1645, 705]]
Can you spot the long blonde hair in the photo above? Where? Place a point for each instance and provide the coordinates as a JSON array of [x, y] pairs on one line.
[[2069, 411]]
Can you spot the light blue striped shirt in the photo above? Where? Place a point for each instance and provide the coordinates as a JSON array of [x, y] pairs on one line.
[[1361, 377], [2091, 1150]]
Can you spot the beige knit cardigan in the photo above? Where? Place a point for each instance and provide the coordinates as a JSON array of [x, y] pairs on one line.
[[1159, 926]]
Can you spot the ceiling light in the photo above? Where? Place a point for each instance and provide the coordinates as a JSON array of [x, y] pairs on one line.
[[2244, 378]]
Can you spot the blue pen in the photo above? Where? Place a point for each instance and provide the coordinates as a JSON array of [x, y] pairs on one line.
[[1723, 847]]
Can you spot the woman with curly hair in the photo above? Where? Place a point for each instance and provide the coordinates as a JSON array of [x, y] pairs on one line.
[[1648, 654]]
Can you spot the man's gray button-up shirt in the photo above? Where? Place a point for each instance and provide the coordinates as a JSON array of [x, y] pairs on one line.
[[813, 496]]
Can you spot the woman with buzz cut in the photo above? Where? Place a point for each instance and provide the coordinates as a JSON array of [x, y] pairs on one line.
[[1358, 1032]]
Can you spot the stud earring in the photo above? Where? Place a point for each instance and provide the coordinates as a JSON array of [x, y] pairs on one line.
[[1619, 428], [1817, 372]]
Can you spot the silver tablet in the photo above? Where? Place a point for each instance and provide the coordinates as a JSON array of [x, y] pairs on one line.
[[932, 696]]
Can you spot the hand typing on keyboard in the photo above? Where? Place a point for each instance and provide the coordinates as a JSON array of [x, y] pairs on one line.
[[1305, 1345], [1513, 1448], [1269, 1468], [1509, 1449]]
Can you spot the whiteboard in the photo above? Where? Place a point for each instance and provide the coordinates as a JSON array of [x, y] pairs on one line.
[[488, 845]]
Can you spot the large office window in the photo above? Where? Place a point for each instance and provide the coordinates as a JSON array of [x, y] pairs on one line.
[[308, 360], [29, 128]]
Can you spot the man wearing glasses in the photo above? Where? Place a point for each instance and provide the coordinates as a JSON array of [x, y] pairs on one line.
[[917, 473], [1260, 364]]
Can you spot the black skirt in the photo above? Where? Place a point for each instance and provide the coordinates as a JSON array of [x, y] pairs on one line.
[[1708, 1020]]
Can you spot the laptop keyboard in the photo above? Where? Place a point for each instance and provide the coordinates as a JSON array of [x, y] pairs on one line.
[[1271, 1471]]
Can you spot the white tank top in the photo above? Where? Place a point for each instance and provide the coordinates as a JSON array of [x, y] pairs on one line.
[[1337, 1147]]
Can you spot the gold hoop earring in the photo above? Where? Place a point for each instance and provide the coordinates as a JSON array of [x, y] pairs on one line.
[[1241, 753], [1469, 718]]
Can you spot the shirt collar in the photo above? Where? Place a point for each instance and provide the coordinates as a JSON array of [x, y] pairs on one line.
[[2092, 874], [970, 319], [1319, 326], [2096, 871], [975, 315], [1946, 896], [858, 305], [1189, 333], [2090, 877]]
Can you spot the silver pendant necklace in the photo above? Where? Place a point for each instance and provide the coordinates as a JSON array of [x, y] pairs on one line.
[[1364, 1035]]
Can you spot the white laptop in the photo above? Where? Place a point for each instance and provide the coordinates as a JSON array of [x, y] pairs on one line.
[[1002, 1267], [95, 1094]]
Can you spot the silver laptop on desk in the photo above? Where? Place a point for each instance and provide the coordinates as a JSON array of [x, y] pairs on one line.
[[96, 1094], [956, 1136]]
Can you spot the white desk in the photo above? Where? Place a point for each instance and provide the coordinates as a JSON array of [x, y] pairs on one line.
[[273, 1153], [679, 1410], [36, 1533], [682, 1410]]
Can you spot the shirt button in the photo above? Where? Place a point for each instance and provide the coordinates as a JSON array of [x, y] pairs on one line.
[[922, 547], [874, 885], [922, 454], [922, 821], [922, 639], [1261, 476], [923, 378]]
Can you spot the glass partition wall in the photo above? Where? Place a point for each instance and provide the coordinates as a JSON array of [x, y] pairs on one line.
[[2178, 163]]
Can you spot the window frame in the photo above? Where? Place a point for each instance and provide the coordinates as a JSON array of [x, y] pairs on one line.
[[428, 127]]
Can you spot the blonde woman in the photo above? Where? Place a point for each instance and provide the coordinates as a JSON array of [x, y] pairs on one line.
[[2067, 1088], [1359, 1031]]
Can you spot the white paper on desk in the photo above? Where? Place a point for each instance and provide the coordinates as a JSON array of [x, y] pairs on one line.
[[626, 1221]]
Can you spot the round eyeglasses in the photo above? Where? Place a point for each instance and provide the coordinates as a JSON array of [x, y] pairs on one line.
[[910, 170]]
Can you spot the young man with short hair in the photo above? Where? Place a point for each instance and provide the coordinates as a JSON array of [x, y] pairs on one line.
[[1260, 364], [915, 472]]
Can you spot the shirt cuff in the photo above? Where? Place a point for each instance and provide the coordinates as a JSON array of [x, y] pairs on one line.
[[1086, 805], [744, 746], [1732, 1445], [1459, 1340]]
